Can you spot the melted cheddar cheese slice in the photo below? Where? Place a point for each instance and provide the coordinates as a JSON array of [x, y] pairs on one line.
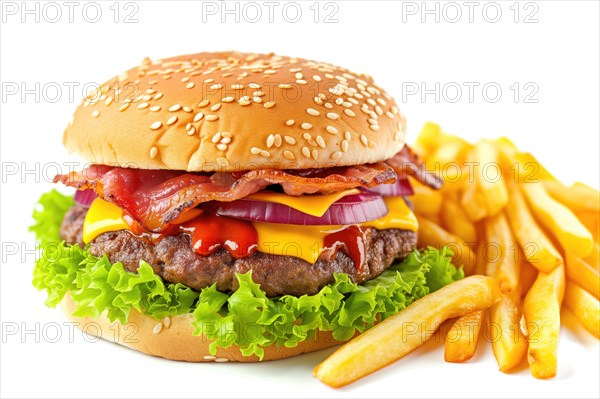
[[304, 242]]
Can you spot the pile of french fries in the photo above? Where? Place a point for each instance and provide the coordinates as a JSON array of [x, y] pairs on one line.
[[506, 217]]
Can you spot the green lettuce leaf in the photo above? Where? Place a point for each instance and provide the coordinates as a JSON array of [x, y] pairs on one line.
[[246, 318]]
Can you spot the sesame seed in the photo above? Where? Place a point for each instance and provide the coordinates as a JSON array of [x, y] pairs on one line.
[[289, 122], [328, 106], [158, 96], [320, 141], [209, 80], [222, 147], [381, 101], [373, 115], [395, 110], [378, 110], [306, 152], [167, 321], [373, 121], [143, 105], [198, 116], [237, 86], [345, 145], [285, 86], [315, 154], [288, 155], [221, 360], [318, 101], [228, 99], [257, 99], [349, 112], [216, 107], [109, 101], [156, 125], [171, 120], [209, 357], [269, 104], [290, 140], [203, 103], [389, 114], [153, 152], [226, 134], [353, 101], [216, 138], [187, 109], [333, 116], [277, 140], [226, 140], [339, 101], [216, 86], [336, 155], [347, 136], [307, 136], [244, 102], [254, 85], [317, 78], [175, 108], [371, 102], [332, 130], [212, 118], [270, 141], [306, 126], [96, 114], [329, 76], [265, 154], [298, 75], [363, 139], [191, 131], [258, 93], [295, 70], [312, 112], [185, 79], [147, 97], [374, 127], [124, 107], [155, 108], [158, 326], [301, 81]]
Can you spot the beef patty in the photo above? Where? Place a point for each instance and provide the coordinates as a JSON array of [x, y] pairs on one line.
[[176, 262]]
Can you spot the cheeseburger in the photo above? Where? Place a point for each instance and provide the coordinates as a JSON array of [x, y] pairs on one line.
[[236, 207]]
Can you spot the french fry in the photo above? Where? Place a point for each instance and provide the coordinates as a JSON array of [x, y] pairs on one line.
[[402, 333], [431, 234], [462, 338], [538, 249], [508, 342], [501, 262], [559, 220], [578, 197], [585, 307], [528, 276], [426, 201], [542, 314], [583, 274], [593, 259], [456, 221], [429, 138], [473, 202], [591, 220], [489, 177]]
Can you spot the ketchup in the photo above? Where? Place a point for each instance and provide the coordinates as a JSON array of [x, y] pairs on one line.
[[210, 232], [351, 241]]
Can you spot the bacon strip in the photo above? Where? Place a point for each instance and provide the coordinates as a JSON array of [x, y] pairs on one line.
[[155, 197], [406, 162]]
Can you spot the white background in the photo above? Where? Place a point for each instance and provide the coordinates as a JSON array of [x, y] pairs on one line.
[[558, 54]]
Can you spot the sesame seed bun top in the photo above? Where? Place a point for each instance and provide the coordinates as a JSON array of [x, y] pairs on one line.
[[236, 111]]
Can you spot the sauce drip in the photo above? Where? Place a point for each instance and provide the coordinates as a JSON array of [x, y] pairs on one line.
[[351, 241], [210, 232]]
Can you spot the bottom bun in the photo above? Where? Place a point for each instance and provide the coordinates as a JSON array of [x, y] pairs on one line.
[[172, 338]]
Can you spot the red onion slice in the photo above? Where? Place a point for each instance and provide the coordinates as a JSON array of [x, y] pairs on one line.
[[400, 188], [85, 197], [352, 209]]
